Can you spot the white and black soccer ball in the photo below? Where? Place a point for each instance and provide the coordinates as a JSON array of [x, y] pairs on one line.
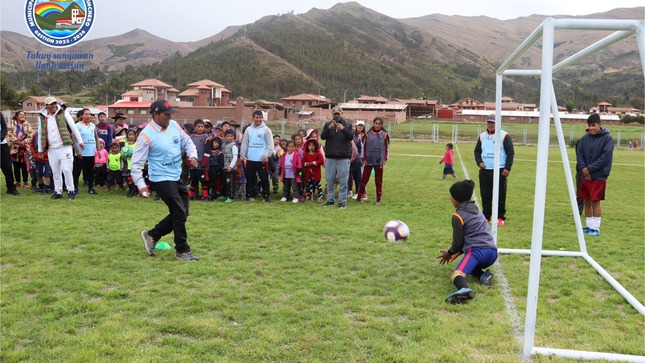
[[396, 231]]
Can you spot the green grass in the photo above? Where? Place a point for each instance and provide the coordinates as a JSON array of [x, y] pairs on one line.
[[284, 282]]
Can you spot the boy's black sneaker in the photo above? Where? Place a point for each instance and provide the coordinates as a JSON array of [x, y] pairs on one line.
[[148, 243], [71, 195], [341, 206], [328, 204], [487, 278], [57, 196], [266, 199], [92, 191], [186, 256]]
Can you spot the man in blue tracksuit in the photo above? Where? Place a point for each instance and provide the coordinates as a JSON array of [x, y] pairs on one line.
[[255, 151], [485, 156], [161, 143]]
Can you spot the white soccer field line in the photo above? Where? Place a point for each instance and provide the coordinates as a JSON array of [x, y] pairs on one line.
[[523, 160], [502, 282]]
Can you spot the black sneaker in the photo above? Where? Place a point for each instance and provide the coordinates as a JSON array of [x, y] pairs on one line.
[[328, 204], [76, 192], [341, 206], [57, 196], [186, 256], [13, 192], [92, 191], [487, 278], [266, 199], [71, 195], [249, 199], [461, 296], [148, 243]]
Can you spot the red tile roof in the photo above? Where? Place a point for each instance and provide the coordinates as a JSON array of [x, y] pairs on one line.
[[205, 82], [151, 82]]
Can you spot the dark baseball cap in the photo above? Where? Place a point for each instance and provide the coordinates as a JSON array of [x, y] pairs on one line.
[[162, 106]]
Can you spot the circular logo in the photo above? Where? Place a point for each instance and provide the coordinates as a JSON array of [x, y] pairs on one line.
[[61, 23]]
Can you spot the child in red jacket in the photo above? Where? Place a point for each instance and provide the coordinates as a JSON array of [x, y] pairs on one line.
[[449, 159], [313, 162]]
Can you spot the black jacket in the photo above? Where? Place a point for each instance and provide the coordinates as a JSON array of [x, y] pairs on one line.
[[338, 144], [3, 132]]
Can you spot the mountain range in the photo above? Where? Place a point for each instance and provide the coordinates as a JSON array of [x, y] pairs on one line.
[[352, 49]]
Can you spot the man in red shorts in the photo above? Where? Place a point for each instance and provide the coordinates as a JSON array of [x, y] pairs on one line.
[[594, 155]]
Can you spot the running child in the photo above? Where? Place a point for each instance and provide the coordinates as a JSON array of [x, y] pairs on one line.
[[449, 159]]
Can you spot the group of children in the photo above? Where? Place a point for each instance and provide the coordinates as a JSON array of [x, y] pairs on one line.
[[220, 173]]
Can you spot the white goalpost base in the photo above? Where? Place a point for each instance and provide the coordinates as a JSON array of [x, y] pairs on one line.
[[548, 105]]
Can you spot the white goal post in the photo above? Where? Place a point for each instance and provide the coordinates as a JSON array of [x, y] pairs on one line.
[[548, 105]]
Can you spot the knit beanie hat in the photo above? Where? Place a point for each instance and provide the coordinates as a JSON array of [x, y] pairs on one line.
[[593, 119], [462, 191]]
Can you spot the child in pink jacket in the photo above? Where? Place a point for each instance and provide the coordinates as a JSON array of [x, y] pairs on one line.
[[290, 166], [100, 164]]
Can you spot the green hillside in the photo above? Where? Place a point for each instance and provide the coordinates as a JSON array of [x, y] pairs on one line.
[[349, 50]]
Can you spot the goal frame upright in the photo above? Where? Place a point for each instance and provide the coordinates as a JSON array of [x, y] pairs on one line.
[[548, 105]]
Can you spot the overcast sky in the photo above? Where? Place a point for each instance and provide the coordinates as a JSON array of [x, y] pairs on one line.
[[198, 19]]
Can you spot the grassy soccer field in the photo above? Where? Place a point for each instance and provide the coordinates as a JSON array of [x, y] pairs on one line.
[[284, 282]]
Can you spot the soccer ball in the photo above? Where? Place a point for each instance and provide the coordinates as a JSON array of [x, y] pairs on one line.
[[396, 231], [126, 151]]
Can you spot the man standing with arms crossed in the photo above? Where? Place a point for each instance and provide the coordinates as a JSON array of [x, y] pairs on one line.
[[161, 144], [485, 158]]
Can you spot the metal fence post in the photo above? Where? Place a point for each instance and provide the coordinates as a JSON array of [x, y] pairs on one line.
[[411, 132], [618, 139]]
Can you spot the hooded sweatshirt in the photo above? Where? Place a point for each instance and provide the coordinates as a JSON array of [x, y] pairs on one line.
[[595, 152]]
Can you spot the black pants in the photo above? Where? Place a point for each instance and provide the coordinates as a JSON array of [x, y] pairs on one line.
[[253, 170], [215, 181], [228, 184], [20, 169], [175, 195], [355, 175], [100, 174], [5, 164], [86, 166], [486, 191], [287, 185]]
